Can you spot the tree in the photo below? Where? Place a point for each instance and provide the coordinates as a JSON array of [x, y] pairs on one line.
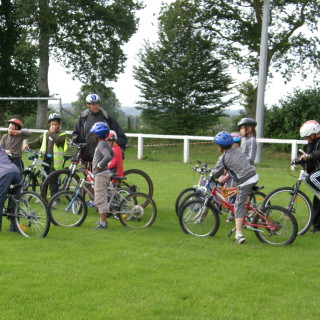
[[181, 82], [18, 69], [84, 36], [283, 121], [293, 42]]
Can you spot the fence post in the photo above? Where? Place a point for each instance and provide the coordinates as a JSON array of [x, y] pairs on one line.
[[185, 150], [140, 147], [294, 149]]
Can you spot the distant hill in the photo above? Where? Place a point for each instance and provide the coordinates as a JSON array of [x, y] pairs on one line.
[[130, 111]]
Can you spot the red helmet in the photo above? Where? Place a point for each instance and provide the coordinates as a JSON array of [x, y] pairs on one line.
[[16, 122]]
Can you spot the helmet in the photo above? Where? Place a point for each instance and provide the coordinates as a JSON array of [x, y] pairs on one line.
[[223, 139], [15, 121], [112, 136], [100, 129], [246, 121], [308, 128], [236, 137], [92, 98], [54, 117]]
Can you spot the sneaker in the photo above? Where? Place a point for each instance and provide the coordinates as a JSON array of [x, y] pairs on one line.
[[90, 204], [239, 239], [315, 230], [99, 226], [230, 217]]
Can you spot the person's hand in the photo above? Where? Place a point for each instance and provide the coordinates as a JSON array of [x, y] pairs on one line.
[[25, 147], [8, 151]]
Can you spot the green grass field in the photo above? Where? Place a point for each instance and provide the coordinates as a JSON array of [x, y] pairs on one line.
[[160, 272]]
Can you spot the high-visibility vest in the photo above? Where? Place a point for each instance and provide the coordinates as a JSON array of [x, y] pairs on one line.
[[58, 152]]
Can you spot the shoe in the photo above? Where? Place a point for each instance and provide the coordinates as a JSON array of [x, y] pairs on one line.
[[230, 217], [12, 228], [90, 204], [239, 239], [315, 230], [99, 226]]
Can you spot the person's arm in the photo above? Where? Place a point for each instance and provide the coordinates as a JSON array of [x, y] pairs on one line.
[[252, 148], [218, 169], [58, 139], [36, 144], [76, 133]]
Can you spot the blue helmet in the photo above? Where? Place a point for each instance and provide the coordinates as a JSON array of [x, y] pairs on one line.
[[93, 98], [223, 139], [100, 129]]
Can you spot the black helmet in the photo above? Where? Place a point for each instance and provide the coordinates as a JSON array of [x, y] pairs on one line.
[[54, 117], [247, 121]]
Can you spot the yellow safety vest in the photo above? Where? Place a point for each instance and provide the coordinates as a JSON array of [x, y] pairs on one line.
[[58, 152]]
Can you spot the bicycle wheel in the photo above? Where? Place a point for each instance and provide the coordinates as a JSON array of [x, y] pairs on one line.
[[67, 210], [137, 210], [28, 181], [257, 198], [198, 219], [137, 181], [302, 207], [181, 196], [32, 217], [191, 196], [66, 181], [283, 226]]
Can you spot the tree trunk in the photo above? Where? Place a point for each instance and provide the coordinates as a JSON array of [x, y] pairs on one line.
[[43, 87]]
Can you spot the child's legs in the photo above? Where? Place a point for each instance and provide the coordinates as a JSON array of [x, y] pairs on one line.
[[101, 183], [314, 180], [239, 206]]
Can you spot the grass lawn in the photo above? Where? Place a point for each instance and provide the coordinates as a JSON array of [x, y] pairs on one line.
[[160, 272]]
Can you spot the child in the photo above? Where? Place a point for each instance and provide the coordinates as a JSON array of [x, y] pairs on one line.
[[102, 156], [53, 144], [12, 142], [116, 163], [248, 142], [240, 169], [310, 131]]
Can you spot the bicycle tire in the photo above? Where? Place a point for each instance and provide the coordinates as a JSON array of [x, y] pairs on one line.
[[137, 210], [191, 196], [28, 181], [284, 221], [181, 196], [257, 198], [65, 182], [66, 214], [302, 210], [32, 217], [198, 219], [137, 181]]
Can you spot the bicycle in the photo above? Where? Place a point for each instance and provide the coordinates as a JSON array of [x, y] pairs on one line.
[[29, 212], [136, 180], [200, 191], [296, 201], [133, 209], [272, 225]]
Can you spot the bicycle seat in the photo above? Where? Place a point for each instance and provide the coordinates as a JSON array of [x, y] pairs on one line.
[[115, 177], [257, 188]]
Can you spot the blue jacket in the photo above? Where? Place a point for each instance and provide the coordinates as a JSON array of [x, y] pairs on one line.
[[6, 166]]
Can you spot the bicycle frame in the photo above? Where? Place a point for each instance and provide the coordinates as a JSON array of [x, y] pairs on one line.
[[37, 164]]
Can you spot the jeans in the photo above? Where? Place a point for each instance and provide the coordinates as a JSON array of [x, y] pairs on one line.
[[5, 182]]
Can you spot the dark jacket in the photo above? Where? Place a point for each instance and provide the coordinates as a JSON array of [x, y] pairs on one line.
[[82, 134], [313, 148]]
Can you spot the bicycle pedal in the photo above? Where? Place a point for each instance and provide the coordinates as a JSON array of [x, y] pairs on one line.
[[231, 232]]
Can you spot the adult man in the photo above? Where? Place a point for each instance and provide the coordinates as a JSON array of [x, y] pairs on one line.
[[92, 115]]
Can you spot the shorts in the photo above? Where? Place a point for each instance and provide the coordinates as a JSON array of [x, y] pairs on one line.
[[101, 183]]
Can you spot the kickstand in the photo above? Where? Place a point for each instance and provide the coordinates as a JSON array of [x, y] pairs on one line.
[[231, 232]]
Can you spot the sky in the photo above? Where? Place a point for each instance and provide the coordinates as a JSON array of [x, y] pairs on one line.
[[63, 86]]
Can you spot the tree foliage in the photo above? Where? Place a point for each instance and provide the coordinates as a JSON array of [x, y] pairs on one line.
[[18, 69], [86, 37], [293, 44], [283, 121], [182, 84]]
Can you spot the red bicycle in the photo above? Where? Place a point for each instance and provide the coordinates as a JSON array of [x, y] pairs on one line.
[[272, 225]]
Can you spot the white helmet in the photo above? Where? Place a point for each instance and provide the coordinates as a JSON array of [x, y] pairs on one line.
[[112, 136], [92, 98], [308, 128]]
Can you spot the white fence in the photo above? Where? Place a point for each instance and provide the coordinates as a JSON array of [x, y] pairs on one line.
[[186, 142]]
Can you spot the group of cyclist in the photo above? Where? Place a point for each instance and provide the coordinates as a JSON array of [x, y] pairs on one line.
[[53, 143], [105, 145]]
